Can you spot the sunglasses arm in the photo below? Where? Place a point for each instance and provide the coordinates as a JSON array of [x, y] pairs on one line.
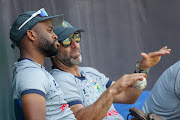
[[33, 15]]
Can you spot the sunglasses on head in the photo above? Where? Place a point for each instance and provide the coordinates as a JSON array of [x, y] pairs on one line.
[[67, 42], [40, 12]]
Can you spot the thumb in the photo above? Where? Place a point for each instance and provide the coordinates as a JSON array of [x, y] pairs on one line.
[[144, 55]]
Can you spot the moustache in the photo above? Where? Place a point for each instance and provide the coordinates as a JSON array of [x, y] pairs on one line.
[[76, 50]]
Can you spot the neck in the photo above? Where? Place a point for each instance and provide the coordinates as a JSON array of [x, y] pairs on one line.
[[70, 69], [29, 50], [35, 56]]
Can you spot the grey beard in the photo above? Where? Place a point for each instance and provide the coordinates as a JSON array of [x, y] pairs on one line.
[[76, 61]]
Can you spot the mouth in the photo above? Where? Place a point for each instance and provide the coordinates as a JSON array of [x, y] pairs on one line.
[[75, 53]]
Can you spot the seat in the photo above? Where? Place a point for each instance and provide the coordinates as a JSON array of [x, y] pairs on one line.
[[123, 109], [18, 110]]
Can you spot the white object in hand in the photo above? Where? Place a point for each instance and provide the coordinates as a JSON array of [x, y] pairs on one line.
[[140, 85]]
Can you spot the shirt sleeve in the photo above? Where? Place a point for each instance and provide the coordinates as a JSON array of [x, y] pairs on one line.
[[69, 87], [177, 85], [31, 80]]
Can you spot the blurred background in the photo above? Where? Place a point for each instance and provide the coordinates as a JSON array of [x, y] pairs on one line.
[[116, 32]]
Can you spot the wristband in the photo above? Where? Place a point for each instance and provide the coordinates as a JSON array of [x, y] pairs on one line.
[[141, 71]]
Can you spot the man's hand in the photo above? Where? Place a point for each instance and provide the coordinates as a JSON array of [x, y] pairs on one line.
[[99, 109], [152, 58], [125, 81]]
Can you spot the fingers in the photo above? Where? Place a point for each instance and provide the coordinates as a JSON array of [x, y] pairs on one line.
[[165, 47], [162, 51], [159, 53], [136, 76], [126, 81], [131, 78]]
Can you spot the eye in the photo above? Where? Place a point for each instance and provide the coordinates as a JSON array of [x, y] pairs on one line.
[[50, 30]]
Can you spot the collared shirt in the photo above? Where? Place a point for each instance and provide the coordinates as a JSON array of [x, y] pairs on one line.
[[86, 89], [31, 77]]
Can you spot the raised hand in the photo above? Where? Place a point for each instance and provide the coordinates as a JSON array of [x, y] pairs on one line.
[[152, 58]]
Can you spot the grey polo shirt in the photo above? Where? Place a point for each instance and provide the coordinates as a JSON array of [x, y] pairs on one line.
[[164, 99], [86, 89], [30, 77]]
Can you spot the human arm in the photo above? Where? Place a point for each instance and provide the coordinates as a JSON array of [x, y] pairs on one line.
[[131, 95], [33, 106], [31, 87], [99, 109]]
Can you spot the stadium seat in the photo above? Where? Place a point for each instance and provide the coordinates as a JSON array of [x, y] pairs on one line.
[[123, 109], [18, 110]]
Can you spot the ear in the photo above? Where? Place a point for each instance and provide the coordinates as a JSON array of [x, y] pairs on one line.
[[31, 35]]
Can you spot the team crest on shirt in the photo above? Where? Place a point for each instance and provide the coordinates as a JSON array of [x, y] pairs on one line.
[[96, 85]]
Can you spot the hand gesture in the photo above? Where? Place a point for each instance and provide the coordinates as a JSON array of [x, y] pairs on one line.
[[152, 58]]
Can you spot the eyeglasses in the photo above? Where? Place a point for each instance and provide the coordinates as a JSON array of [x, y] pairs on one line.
[[67, 42], [40, 12]]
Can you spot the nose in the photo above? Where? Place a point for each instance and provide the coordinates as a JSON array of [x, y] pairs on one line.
[[58, 44], [74, 43], [55, 36]]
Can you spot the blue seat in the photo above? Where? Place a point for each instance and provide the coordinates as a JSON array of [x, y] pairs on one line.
[[123, 109], [18, 110]]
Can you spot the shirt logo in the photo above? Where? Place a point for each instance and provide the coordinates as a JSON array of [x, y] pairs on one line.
[[112, 112], [96, 85], [64, 106]]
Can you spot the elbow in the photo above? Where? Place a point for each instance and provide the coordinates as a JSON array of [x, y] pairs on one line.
[[132, 101]]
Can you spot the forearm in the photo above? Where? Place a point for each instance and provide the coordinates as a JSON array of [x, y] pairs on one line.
[[99, 109]]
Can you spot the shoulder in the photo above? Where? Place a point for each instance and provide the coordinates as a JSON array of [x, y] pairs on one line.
[[89, 70], [176, 65], [60, 75], [27, 67], [32, 72]]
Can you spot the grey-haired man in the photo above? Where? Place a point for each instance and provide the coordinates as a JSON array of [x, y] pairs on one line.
[[89, 93], [40, 95]]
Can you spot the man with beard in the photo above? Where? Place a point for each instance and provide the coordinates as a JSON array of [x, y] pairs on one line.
[[89, 93], [41, 97]]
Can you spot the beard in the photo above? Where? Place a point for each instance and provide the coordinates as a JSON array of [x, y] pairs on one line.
[[76, 61], [48, 48], [69, 60]]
